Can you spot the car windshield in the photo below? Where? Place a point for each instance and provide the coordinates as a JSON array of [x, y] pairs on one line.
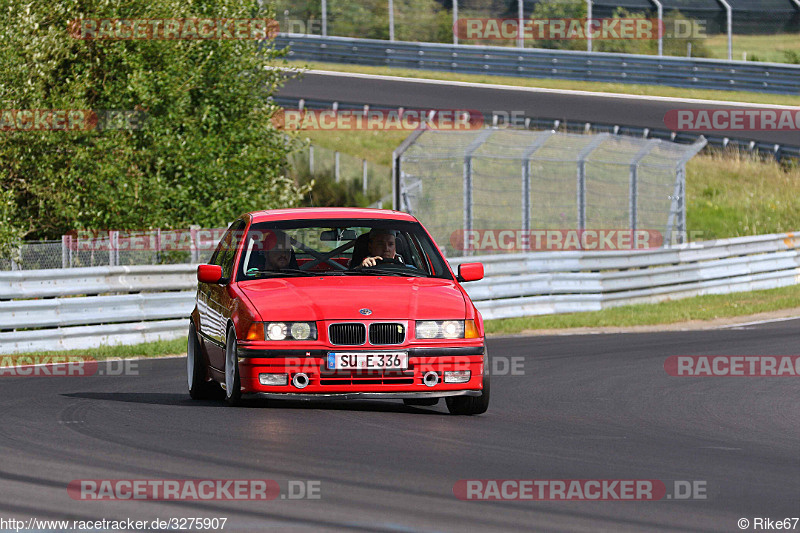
[[339, 248]]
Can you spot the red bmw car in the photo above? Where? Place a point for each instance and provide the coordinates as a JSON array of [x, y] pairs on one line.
[[334, 303]]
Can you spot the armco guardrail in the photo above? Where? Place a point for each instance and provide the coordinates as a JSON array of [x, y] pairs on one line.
[[778, 151], [78, 308], [539, 63], [566, 282], [515, 285]]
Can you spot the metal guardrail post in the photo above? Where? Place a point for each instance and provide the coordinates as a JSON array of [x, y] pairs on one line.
[[324, 18], [158, 245], [364, 176], [65, 251], [110, 248], [677, 211], [397, 170], [336, 166], [633, 189], [660, 11], [193, 243], [474, 145], [729, 14], [311, 159], [391, 20], [455, 21], [588, 22], [115, 247], [526, 177], [581, 187], [520, 19]]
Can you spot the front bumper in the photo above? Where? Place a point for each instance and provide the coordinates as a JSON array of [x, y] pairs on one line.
[[361, 395], [352, 384]]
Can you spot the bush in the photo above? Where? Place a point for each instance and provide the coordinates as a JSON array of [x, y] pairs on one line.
[[207, 151]]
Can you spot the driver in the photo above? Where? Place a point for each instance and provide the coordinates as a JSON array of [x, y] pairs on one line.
[[279, 255], [382, 245]]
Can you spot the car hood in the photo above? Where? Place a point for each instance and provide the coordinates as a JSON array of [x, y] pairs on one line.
[[341, 298]]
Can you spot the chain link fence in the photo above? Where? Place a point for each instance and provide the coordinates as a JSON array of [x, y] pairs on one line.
[[465, 184], [373, 180], [116, 248]]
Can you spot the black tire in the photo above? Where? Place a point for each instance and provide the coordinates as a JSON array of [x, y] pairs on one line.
[[421, 402], [200, 388], [470, 405], [233, 383]]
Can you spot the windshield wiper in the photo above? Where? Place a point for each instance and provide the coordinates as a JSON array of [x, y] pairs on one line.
[[386, 272]]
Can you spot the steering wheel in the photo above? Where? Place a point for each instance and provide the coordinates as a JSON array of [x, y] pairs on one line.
[[383, 261]]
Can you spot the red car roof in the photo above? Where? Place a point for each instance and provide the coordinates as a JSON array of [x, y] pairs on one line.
[[302, 213]]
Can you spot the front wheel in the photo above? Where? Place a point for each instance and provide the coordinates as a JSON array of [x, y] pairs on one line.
[[233, 383], [470, 405]]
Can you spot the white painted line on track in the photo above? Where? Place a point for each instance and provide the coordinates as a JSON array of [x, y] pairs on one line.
[[618, 96], [759, 322]]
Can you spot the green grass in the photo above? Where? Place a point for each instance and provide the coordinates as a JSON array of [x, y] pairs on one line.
[[764, 47], [148, 349], [646, 90], [374, 146], [736, 194], [697, 308]]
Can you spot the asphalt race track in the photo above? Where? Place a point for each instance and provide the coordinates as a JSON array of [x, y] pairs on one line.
[[585, 407], [629, 111]]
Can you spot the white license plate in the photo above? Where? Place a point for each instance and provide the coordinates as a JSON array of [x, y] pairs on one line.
[[367, 361]]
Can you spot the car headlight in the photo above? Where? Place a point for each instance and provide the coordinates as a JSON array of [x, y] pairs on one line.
[[292, 331], [440, 329]]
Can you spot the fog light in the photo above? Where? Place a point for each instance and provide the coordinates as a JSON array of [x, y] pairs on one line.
[[457, 376], [273, 379]]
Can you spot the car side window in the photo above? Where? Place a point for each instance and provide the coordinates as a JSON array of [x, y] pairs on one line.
[[226, 250]]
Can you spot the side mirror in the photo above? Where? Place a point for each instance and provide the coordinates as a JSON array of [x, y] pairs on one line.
[[209, 274], [470, 272]]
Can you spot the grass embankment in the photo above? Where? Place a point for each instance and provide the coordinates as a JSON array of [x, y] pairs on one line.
[[707, 307], [778, 48]]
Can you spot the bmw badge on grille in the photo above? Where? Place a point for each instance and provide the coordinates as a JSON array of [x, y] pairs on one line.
[[365, 311]]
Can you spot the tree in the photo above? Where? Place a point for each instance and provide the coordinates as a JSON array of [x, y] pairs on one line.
[[205, 153], [559, 9]]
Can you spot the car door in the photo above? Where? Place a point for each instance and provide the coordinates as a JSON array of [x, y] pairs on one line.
[[217, 299]]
